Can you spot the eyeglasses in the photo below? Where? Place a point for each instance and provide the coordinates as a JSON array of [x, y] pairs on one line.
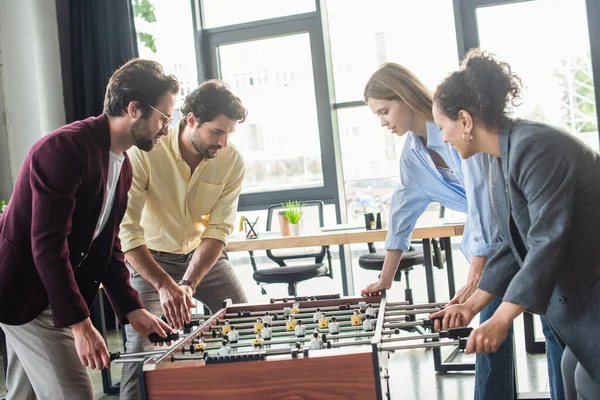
[[168, 119]]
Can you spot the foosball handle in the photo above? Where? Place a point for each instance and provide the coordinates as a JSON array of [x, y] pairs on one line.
[[155, 338], [115, 356], [429, 323], [456, 333]]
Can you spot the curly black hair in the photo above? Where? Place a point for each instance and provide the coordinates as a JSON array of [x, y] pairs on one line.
[[211, 99], [483, 86]]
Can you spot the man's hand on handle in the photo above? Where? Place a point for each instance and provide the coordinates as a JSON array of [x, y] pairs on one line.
[[176, 302], [146, 323], [90, 345]]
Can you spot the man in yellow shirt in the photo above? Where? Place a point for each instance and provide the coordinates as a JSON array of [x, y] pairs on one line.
[[181, 211]]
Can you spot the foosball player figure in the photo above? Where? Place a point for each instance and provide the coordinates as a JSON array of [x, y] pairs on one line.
[[299, 330], [315, 342], [317, 331], [200, 346], [224, 350], [371, 311], [267, 319], [368, 324], [290, 324], [323, 321], [258, 325], [334, 326], [362, 305], [257, 343], [317, 315], [356, 318], [286, 311], [233, 336], [226, 328], [266, 332], [295, 308]]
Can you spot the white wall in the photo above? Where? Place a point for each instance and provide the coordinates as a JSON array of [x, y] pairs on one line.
[[31, 81]]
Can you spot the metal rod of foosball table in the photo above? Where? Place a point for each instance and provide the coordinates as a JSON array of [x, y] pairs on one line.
[[429, 345], [128, 360], [410, 312], [118, 355]]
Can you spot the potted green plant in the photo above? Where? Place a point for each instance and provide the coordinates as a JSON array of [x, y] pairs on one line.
[[2, 207], [293, 211]]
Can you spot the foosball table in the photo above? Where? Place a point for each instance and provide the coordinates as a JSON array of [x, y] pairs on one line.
[[321, 347]]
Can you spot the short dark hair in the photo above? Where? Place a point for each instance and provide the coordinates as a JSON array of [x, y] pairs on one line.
[[483, 86], [138, 80], [211, 99]]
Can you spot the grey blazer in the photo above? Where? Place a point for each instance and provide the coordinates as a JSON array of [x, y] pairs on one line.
[[546, 196]]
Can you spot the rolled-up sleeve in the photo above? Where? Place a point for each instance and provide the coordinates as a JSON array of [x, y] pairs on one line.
[[222, 216], [408, 203], [484, 231], [132, 232]]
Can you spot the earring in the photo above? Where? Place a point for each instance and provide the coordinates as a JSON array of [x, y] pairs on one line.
[[470, 138]]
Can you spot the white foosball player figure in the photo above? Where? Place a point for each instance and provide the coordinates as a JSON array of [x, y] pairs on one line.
[[258, 325], [315, 342], [226, 328], [267, 319], [299, 330], [323, 321], [266, 332], [224, 350], [370, 311], [317, 315], [334, 326], [368, 324], [356, 318], [290, 324], [362, 305], [233, 336]]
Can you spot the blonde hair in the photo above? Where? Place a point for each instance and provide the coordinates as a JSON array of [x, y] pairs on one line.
[[392, 81]]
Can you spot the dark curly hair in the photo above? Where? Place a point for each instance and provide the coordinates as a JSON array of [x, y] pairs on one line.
[[483, 86], [138, 80], [211, 99]]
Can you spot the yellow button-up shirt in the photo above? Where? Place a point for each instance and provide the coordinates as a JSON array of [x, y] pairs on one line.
[[172, 210]]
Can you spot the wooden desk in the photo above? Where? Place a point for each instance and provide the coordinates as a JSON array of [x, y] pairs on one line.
[[274, 240]]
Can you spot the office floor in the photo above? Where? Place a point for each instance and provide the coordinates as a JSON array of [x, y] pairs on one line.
[[412, 375]]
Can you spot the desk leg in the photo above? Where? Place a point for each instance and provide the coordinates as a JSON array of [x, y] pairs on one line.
[[97, 317], [429, 270], [449, 266], [532, 346], [347, 278]]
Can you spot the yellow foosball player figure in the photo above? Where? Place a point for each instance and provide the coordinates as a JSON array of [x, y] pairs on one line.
[[258, 325], [295, 309], [226, 328], [323, 321], [356, 319], [200, 346], [290, 324], [258, 341]]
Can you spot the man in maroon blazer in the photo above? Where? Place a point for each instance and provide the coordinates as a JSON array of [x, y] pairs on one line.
[[59, 238]]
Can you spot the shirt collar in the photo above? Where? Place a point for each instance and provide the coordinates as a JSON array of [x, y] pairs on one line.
[[434, 135], [174, 133]]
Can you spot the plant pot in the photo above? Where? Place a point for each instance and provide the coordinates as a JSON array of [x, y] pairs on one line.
[[284, 225], [295, 229]]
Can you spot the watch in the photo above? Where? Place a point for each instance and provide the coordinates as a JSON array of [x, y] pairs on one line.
[[187, 283]]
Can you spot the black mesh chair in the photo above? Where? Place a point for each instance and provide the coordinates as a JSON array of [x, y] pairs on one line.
[[292, 274]]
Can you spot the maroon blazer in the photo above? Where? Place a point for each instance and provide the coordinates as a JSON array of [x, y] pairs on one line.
[[46, 251]]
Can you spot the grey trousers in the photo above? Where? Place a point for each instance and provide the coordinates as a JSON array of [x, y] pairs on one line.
[[219, 284], [577, 382], [43, 363]]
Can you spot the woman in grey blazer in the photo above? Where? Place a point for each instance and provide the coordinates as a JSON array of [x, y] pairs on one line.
[[546, 195]]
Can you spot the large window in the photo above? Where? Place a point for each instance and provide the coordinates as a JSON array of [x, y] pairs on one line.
[[280, 138], [554, 64], [165, 34], [417, 34], [230, 12]]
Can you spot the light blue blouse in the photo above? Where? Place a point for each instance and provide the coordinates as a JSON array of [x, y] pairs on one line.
[[465, 189]]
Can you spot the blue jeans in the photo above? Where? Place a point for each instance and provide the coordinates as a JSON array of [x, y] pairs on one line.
[[554, 352], [494, 372]]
